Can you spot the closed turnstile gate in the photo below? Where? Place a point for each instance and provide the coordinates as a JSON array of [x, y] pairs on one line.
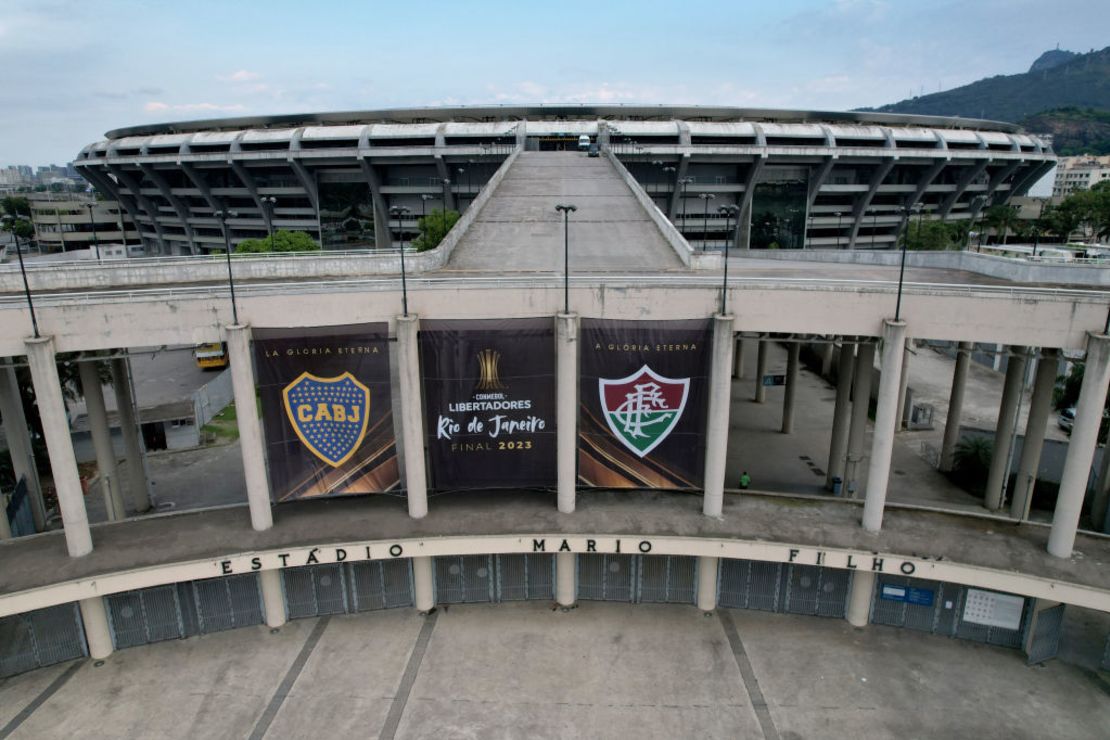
[[464, 579], [937, 608], [40, 638], [182, 609], [345, 588], [783, 587], [635, 579], [525, 577]]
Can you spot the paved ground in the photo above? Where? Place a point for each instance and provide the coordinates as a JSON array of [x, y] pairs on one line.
[[520, 230], [525, 670]]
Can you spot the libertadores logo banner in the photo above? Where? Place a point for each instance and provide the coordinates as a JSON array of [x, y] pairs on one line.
[[642, 403], [326, 410], [489, 400]]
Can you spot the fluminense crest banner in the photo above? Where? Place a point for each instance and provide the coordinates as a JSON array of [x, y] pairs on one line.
[[642, 395], [489, 400], [326, 410]]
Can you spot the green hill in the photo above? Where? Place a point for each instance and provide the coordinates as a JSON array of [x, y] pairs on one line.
[[1073, 130], [1057, 80]]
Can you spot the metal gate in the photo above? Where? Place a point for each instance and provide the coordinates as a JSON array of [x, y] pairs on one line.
[[40, 638], [937, 608], [1044, 634], [18, 510], [606, 577], [464, 579], [380, 584], [315, 590], [145, 616], [783, 587], [749, 584], [525, 577], [816, 591], [217, 604], [667, 579]]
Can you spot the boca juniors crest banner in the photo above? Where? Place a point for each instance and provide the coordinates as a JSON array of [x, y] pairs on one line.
[[326, 410], [642, 403], [489, 400]]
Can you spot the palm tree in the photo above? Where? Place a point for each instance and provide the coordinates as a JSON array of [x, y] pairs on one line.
[[1002, 218]]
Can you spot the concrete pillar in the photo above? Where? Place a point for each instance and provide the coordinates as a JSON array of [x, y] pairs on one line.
[[838, 445], [760, 370], [738, 358], [827, 350], [1101, 501], [997, 357], [707, 583], [1081, 448], [1040, 406], [102, 440], [861, 399], [716, 431], [791, 389], [423, 584], [132, 442], [860, 594], [250, 431], [273, 597], [955, 407], [566, 420], [55, 427], [1004, 429], [903, 385], [412, 415], [566, 563], [97, 635], [19, 443], [886, 424]]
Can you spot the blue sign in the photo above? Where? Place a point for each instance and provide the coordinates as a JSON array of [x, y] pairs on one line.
[[907, 594], [773, 380]]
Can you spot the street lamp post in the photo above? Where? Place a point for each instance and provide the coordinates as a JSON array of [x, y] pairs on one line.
[[684, 182], [705, 197], [566, 210], [92, 223], [399, 213], [728, 211], [446, 182], [839, 226], [269, 202], [23, 272], [424, 198], [224, 216], [656, 163], [460, 172], [902, 268]]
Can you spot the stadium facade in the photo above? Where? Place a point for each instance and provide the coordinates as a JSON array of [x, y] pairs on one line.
[[801, 178]]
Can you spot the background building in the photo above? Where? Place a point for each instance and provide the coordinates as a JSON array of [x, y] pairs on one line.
[[1080, 173], [65, 222]]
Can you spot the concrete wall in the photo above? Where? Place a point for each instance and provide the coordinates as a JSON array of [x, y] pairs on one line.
[[212, 398]]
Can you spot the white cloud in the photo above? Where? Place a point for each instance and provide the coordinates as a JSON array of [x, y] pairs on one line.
[[240, 75], [156, 106]]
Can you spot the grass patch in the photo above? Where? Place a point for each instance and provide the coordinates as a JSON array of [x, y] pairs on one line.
[[223, 427]]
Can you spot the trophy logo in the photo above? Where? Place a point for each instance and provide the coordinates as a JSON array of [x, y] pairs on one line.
[[489, 372]]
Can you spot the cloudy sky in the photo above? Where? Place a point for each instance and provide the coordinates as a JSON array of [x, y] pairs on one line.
[[72, 69]]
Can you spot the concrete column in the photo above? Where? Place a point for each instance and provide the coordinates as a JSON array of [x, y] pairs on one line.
[[1081, 448], [1039, 408], [132, 443], [19, 444], [55, 427], [1101, 500], [738, 359], [97, 635], [955, 407], [716, 431], [886, 424], [250, 431], [857, 429], [412, 415], [838, 445], [423, 584], [566, 563], [791, 387], [566, 421], [827, 358], [760, 370], [860, 594], [273, 597], [903, 385], [707, 583], [1004, 430], [102, 440]]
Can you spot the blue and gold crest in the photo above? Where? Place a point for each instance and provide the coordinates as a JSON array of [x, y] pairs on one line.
[[328, 414]]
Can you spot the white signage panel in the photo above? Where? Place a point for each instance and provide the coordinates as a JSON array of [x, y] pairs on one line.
[[993, 609]]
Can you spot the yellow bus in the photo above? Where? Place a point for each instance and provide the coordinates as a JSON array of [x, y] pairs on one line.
[[211, 356]]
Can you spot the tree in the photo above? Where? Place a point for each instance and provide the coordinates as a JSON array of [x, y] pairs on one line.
[[21, 228], [931, 235], [16, 206], [1001, 218], [433, 228], [971, 463], [282, 241]]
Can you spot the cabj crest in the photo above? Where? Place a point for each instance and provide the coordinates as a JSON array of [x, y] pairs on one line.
[[329, 415]]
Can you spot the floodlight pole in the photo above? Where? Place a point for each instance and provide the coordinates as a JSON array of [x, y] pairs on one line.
[[566, 209], [224, 216], [23, 272], [728, 211], [902, 269], [398, 212]]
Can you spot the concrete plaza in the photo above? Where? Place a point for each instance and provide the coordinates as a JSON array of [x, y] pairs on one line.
[[603, 670]]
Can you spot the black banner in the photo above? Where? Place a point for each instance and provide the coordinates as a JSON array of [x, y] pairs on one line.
[[489, 399], [326, 410], [642, 402]]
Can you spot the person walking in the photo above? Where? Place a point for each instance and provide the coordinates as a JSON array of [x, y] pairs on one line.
[[745, 480]]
